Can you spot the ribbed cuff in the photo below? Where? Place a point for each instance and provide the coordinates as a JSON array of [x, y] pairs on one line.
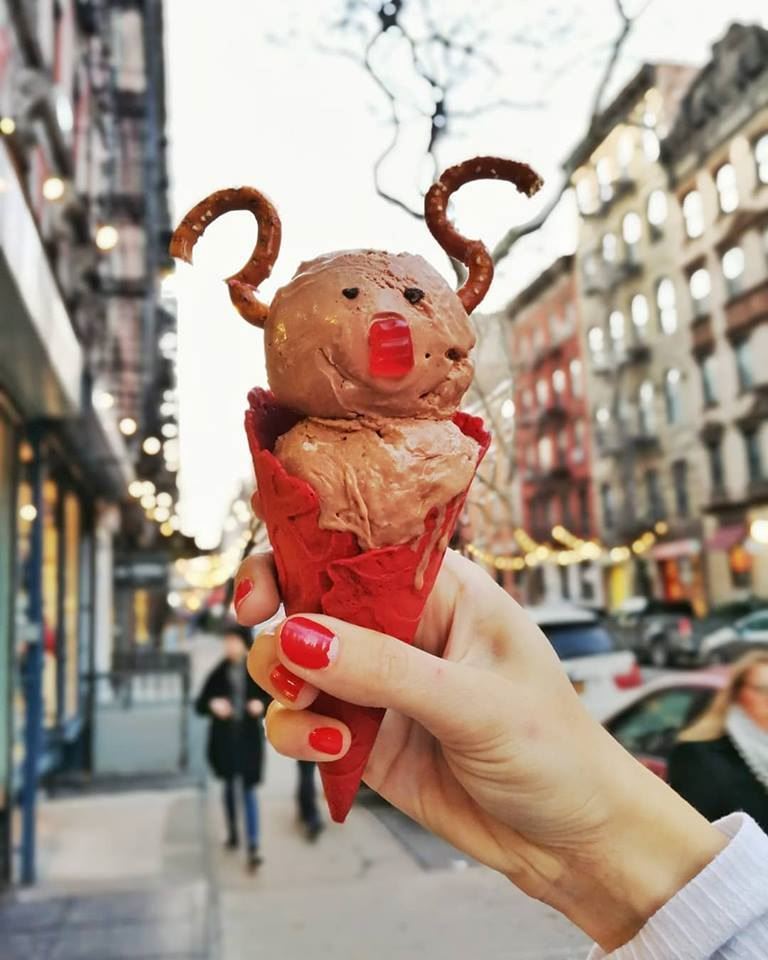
[[722, 901]]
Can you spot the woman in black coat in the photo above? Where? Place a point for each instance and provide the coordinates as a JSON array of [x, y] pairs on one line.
[[236, 706], [720, 764]]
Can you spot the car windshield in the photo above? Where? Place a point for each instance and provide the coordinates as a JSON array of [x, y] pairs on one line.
[[578, 639]]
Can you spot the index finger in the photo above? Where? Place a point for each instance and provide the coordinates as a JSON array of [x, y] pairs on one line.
[[256, 596]]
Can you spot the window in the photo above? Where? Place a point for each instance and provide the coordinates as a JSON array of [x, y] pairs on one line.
[[733, 270], [761, 158], [576, 381], [727, 189], [647, 414], [639, 310], [582, 502], [693, 214], [602, 419], [538, 339], [654, 497], [604, 172], [578, 639], [625, 152], [716, 470], [650, 146], [631, 231], [609, 247], [579, 439], [700, 286], [527, 400], [709, 380], [542, 392], [680, 485], [607, 504], [665, 301], [672, 394], [585, 195], [657, 208], [616, 326], [596, 340], [744, 365], [754, 456], [545, 453], [558, 382]]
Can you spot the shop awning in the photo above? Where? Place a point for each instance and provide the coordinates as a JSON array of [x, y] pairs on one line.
[[676, 548], [727, 537]]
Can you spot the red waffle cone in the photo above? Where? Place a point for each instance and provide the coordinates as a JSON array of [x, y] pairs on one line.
[[322, 571]]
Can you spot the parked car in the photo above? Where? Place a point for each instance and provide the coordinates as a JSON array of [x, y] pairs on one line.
[[659, 632], [728, 642], [599, 671], [648, 726]]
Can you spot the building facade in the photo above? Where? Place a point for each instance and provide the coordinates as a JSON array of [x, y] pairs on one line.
[[553, 448], [83, 365], [717, 154], [640, 375]]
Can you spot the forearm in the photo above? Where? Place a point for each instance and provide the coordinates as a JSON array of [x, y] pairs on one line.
[[652, 844]]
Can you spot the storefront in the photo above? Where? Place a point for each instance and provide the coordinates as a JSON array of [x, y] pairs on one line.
[[679, 572]]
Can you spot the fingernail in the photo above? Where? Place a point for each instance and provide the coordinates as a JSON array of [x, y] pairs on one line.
[[242, 590], [287, 685], [326, 740], [307, 643]]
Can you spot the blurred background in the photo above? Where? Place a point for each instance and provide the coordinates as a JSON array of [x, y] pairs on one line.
[[621, 364]]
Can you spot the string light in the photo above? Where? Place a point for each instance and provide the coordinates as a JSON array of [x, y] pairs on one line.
[[128, 426], [53, 188], [7, 126], [151, 446], [107, 237]]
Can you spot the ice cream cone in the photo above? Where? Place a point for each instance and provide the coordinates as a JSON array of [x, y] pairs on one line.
[[325, 571]]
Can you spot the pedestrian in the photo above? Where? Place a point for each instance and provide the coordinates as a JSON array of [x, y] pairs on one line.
[[236, 706], [486, 743], [720, 763], [306, 799]]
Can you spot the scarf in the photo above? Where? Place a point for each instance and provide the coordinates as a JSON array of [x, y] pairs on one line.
[[750, 741]]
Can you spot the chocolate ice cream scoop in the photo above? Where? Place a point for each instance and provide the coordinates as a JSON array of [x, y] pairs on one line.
[[379, 479], [364, 332]]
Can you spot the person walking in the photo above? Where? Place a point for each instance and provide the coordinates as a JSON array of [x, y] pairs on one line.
[[236, 706], [306, 799], [720, 763]]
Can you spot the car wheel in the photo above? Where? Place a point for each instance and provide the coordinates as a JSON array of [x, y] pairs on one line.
[[659, 654]]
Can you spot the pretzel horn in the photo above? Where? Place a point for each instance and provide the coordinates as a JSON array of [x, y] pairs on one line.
[[243, 284], [472, 253]]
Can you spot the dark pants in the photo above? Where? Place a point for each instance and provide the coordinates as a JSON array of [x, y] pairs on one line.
[[306, 795], [250, 806]]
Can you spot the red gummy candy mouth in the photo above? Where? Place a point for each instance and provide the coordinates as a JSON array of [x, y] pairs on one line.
[[390, 347]]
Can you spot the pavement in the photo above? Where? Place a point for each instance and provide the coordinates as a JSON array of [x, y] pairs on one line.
[[142, 875]]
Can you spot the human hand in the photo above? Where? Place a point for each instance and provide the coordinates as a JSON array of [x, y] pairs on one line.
[[486, 743], [255, 708], [220, 707]]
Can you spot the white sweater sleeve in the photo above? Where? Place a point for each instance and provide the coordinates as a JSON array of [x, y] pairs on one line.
[[722, 914]]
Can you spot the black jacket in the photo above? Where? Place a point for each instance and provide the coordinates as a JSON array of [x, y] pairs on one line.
[[234, 748], [712, 777]]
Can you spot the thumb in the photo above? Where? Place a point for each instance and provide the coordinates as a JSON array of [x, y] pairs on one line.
[[375, 670]]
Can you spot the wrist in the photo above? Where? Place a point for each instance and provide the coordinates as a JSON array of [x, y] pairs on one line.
[[650, 845]]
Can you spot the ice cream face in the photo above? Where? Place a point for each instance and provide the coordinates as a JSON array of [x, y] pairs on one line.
[[368, 333]]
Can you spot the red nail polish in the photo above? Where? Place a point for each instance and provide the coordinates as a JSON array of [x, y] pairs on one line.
[[326, 740], [287, 685], [242, 590], [307, 643]]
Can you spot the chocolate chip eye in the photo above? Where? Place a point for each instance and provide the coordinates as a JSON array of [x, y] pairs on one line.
[[413, 294], [350, 292]]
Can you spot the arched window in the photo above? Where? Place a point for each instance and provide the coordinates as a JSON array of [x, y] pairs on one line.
[[604, 172], [558, 382], [667, 305], [631, 231], [625, 151], [585, 194], [576, 379], [609, 247], [596, 341], [646, 399], [650, 146], [727, 188], [733, 270], [672, 394], [700, 286], [616, 326], [640, 313], [657, 208], [693, 214]]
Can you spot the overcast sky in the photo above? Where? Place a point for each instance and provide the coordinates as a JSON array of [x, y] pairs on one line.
[[253, 99]]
